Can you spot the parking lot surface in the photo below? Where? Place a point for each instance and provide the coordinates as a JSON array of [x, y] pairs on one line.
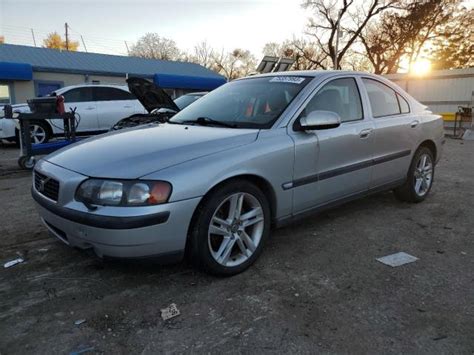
[[316, 288]]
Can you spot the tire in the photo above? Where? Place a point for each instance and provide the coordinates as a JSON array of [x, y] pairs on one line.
[[26, 162], [38, 126], [237, 241], [419, 179]]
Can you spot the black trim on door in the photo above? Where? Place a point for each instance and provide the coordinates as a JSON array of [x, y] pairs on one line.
[[345, 169]]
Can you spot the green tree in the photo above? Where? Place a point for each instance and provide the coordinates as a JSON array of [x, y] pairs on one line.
[[454, 48], [413, 30]]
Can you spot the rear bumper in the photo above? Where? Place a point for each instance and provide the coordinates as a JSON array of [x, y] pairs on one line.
[[159, 235], [7, 128]]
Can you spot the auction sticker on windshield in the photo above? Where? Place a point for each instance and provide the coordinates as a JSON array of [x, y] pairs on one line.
[[287, 79]]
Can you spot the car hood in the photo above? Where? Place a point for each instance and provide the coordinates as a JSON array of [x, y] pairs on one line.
[[132, 153], [150, 96]]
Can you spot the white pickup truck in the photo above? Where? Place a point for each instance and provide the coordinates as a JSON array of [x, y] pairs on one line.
[[98, 108]]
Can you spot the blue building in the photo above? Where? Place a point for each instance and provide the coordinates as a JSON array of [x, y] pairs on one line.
[[26, 72]]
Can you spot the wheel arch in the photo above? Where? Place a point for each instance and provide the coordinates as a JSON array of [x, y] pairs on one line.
[[428, 143], [262, 183]]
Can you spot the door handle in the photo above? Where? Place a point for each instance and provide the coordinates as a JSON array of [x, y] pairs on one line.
[[127, 106], [90, 108], [365, 133], [414, 123]]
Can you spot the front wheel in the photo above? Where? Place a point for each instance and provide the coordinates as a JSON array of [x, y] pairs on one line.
[[419, 179], [40, 132], [230, 228]]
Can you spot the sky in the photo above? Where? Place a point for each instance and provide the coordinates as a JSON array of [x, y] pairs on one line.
[[106, 24]]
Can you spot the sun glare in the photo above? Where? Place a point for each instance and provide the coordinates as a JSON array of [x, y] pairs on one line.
[[421, 67]]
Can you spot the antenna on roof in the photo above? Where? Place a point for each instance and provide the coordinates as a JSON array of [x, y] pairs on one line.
[[270, 64]]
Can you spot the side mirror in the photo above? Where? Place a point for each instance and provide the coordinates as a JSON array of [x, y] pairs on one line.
[[320, 120]]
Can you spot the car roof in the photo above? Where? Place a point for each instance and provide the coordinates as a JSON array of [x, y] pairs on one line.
[[201, 93], [313, 73], [66, 88]]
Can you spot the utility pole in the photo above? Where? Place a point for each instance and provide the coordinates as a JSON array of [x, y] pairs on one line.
[[338, 34], [84, 44], [126, 46], [67, 37], [34, 39]]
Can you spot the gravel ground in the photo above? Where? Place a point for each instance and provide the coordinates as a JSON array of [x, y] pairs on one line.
[[316, 288]]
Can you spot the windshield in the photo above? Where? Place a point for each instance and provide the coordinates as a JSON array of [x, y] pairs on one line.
[[185, 100], [250, 103]]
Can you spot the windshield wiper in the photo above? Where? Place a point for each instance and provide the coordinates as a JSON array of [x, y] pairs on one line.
[[203, 121]]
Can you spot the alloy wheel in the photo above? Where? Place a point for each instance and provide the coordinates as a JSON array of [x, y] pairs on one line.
[[38, 134], [236, 229], [423, 175]]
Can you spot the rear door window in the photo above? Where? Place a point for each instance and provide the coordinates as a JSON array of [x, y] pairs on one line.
[[383, 99]]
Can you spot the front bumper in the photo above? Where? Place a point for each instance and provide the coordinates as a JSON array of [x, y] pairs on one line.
[[152, 240], [120, 232]]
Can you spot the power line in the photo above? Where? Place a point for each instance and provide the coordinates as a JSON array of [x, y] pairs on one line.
[[29, 36]]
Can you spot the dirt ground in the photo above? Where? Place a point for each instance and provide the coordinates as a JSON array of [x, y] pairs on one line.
[[316, 288]]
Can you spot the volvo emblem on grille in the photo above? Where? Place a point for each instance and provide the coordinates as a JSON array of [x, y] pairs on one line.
[[42, 183]]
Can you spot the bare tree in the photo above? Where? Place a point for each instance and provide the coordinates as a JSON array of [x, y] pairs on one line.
[[306, 54], [152, 46], [385, 44], [235, 64], [203, 54], [351, 17]]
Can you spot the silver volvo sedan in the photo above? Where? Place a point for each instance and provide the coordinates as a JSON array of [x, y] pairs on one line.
[[256, 153]]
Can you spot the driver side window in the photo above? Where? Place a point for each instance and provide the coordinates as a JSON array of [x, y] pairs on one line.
[[340, 96]]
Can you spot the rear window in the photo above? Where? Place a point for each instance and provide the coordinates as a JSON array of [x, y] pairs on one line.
[[111, 94], [404, 108]]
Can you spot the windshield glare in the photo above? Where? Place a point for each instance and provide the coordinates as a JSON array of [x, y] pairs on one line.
[[249, 103]]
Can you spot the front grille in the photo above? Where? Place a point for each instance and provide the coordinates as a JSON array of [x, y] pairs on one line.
[[47, 186]]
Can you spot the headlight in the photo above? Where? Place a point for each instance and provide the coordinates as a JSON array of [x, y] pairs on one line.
[[123, 192]]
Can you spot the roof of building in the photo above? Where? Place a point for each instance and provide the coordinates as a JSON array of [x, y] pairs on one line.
[[53, 60]]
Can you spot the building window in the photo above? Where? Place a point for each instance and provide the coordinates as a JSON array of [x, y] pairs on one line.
[[45, 87], [5, 94]]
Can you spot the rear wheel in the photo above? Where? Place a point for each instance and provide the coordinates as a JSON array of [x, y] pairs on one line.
[[230, 228], [420, 177]]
